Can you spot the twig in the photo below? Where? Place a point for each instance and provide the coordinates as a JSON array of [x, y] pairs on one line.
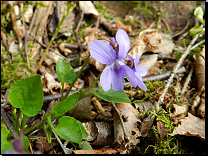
[[175, 69], [77, 29], [126, 133], [66, 59], [196, 45], [8, 124], [187, 80], [62, 146], [54, 36], [166, 23], [180, 32]]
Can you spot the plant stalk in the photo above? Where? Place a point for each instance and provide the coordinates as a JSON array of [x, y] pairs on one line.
[[54, 36], [75, 79]]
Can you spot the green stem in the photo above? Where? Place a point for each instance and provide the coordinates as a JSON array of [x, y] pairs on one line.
[[54, 36], [75, 79], [84, 96], [62, 91], [24, 120], [86, 90], [36, 127], [17, 121]]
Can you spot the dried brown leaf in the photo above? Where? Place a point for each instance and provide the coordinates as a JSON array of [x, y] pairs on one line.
[[200, 68], [148, 40], [129, 113], [191, 126]]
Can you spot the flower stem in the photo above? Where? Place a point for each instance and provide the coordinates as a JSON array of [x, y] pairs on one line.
[[84, 96], [62, 91], [24, 120], [78, 74], [86, 90], [54, 36]]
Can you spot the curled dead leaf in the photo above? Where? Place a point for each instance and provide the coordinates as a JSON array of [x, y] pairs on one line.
[[179, 110], [148, 40], [200, 68]]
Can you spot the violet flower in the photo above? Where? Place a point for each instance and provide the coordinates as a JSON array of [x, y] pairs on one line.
[[113, 75]]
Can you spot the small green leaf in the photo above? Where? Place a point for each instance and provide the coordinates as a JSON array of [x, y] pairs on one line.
[[84, 145], [198, 11], [27, 94], [5, 145], [65, 72], [48, 132], [196, 30], [67, 129], [62, 107], [111, 95]]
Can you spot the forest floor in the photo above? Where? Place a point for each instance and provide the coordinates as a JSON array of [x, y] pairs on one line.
[[159, 32]]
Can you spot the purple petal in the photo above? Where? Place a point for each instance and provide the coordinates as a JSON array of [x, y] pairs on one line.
[[10, 152], [118, 79], [17, 145], [137, 59], [131, 76], [124, 44], [106, 78], [141, 70], [112, 39], [102, 52], [142, 85]]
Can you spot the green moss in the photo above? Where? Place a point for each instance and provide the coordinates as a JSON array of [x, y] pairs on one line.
[[14, 69]]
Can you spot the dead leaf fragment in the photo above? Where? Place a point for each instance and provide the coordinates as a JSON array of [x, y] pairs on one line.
[[191, 126], [52, 85], [129, 113], [167, 44], [148, 40], [179, 110], [200, 68], [149, 61], [162, 129]]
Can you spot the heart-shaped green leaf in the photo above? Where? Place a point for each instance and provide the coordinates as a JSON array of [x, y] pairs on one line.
[[62, 107], [27, 94], [84, 133], [111, 95], [67, 129], [65, 72]]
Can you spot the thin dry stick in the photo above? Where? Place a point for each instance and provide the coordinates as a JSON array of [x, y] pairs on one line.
[[66, 59], [182, 30], [8, 124], [175, 69], [187, 80], [77, 29], [166, 23], [62, 146], [196, 45]]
